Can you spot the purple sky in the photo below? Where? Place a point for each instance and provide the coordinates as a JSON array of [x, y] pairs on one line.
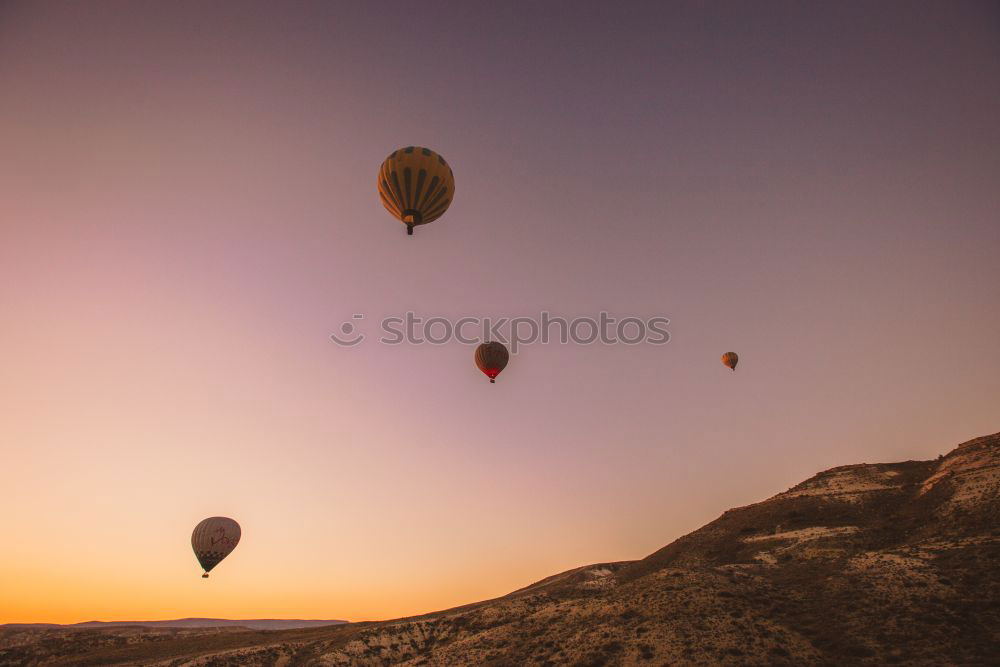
[[188, 210]]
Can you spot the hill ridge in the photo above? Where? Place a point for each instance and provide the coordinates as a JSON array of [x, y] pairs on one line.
[[859, 564]]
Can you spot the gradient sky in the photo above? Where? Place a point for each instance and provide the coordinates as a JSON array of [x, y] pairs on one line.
[[188, 210]]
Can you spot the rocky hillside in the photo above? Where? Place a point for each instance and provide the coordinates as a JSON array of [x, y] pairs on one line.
[[893, 563]]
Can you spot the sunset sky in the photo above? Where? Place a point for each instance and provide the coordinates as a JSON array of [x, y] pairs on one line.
[[188, 210]]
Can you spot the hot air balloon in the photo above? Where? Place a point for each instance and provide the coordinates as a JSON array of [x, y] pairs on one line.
[[491, 358], [416, 186], [730, 359], [213, 539]]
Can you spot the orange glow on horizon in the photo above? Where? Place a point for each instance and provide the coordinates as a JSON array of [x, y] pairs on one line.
[[188, 210]]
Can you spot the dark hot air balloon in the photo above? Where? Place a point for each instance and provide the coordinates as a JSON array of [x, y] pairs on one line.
[[416, 186], [213, 539], [730, 359], [491, 358]]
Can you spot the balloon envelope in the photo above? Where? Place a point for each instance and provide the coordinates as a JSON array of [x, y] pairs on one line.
[[213, 539], [416, 185], [491, 358], [730, 359]]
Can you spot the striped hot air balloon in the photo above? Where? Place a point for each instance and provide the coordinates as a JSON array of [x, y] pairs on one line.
[[491, 358], [416, 186], [213, 539], [730, 359]]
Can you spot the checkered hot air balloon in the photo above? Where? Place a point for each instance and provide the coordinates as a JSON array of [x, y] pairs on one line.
[[213, 539]]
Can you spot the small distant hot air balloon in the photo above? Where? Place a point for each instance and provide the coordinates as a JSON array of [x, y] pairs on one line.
[[730, 359], [416, 186], [491, 358], [213, 539]]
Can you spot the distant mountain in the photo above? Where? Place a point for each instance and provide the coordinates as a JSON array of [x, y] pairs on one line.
[[253, 624], [895, 563]]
